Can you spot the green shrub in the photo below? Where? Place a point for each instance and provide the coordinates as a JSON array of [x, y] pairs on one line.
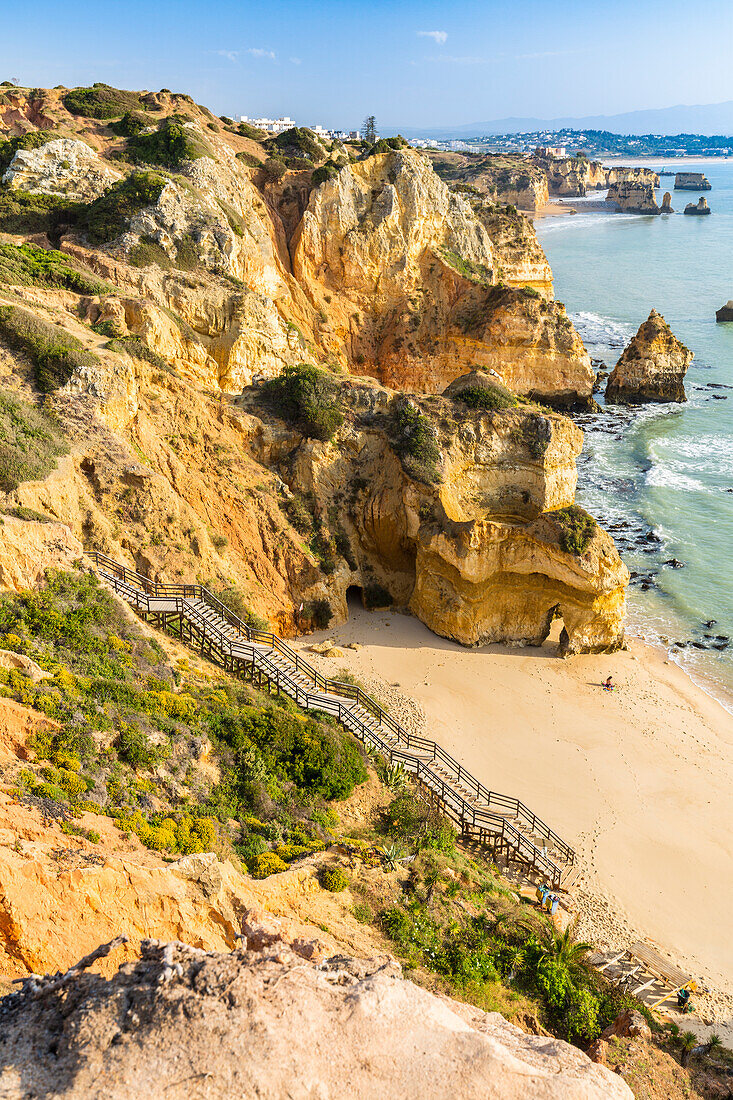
[[131, 123], [22, 212], [251, 132], [334, 879], [169, 146], [492, 396], [100, 101], [300, 142], [325, 172], [106, 218], [54, 353], [375, 595], [28, 515], [273, 169], [135, 749], [386, 145], [577, 528], [266, 864], [10, 146], [29, 265], [319, 613], [249, 159], [306, 397], [250, 847], [414, 440], [477, 273]]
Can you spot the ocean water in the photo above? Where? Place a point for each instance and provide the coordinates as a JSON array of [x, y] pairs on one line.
[[660, 478]]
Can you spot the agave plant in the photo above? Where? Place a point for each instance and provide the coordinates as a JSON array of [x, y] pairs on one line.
[[392, 855]]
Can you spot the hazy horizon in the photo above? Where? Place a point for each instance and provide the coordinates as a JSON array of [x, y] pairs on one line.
[[416, 65]]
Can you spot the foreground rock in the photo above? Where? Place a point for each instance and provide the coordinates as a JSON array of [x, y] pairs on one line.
[[725, 313], [652, 367], [691, 181], [699, 207], [631, 197], [264, 1021]]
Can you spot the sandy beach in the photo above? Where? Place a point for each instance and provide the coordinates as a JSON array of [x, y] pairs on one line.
[[639, 780]]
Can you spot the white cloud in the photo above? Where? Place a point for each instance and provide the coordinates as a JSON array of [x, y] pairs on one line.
[[296, 61], [230, 55], [438, 37], [255, 52]]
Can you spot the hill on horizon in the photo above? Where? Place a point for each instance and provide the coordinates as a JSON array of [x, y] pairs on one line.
[[708, 119]]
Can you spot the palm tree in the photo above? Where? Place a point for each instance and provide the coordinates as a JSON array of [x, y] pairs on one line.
[[565, 951], [688, 1042], [714, 1042]]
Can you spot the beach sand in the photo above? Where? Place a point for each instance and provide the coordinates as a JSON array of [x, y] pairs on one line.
[[639, 780]]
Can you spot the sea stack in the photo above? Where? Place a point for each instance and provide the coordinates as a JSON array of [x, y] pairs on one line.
[[691, 181], [725, 313], [630, 197], [700, 207], [652, 367], [667, 203]]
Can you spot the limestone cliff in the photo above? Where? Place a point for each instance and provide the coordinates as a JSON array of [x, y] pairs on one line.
[[412, 274], [468, 530], [691, 181], [573, 176], [652, 367], [631, 197], [637, 174]]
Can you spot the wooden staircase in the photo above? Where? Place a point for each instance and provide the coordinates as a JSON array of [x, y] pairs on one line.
[[501, 823]]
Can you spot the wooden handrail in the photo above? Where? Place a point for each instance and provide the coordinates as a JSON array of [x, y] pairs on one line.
[[139, 590]]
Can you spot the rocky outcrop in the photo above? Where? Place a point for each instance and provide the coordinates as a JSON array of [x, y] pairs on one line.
[[266, 1020], [667, 204], [699, 207], [473, 539], [521, 261], [573, 176], [411, 274], [636, 174], [28, 549], [725, 313], [633, 198], [652, 367], [61, 167], [500, 178], [691, 181]]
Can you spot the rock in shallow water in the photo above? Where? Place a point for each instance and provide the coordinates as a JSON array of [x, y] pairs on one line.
[[652, 367]]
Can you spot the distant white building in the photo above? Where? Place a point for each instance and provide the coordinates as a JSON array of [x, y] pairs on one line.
[[269, 125]]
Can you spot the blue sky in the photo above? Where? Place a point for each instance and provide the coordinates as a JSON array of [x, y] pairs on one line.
[[410, 64]]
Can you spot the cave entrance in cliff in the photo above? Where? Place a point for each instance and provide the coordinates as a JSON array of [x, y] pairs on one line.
[[554, 629], [354, 599]]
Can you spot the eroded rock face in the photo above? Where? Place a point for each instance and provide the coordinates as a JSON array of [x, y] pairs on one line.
[[410, 272], [28, 549], [667, 203], [571, 175], [691, 181], [269, 1022], [631, 197], [474, 545], [61, 167], [652, 367], [636, 174]]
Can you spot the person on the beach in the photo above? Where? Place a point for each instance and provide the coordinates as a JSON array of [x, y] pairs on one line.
[[609, 684]]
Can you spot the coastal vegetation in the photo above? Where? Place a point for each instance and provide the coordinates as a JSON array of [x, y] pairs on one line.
[[169, 146], [488, 396], [413, 438], [127, 724], [306, 397], [30, 442], [29, 265], [10, 146], [100, 101], [577, 529], [54, 353], [106, 218]]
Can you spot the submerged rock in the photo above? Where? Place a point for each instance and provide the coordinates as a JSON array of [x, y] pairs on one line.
[[652, 367], [701, 207]]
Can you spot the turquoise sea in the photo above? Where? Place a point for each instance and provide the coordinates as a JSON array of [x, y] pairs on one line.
[[660, 478]]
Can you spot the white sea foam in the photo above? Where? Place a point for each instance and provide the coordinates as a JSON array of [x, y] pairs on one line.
[[594, 329]]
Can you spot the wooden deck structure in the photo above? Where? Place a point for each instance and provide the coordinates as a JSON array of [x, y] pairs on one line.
[[505, 825]]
